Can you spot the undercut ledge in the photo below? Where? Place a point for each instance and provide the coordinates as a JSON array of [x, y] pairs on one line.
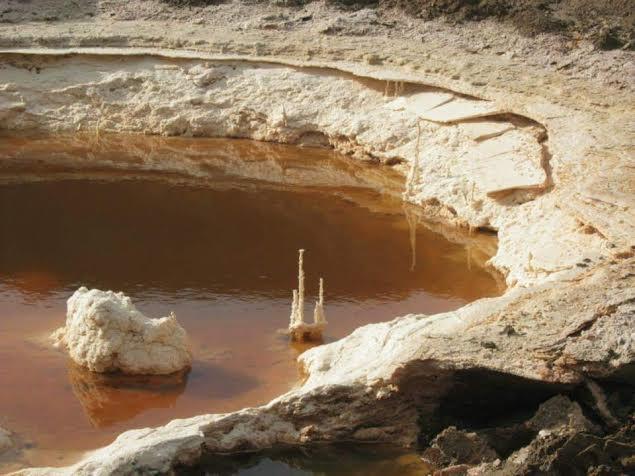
[[383, 383]]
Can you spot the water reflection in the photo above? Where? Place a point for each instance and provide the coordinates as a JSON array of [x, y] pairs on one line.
[[341, 460], [148, 236], [214, 239], [111, 398], [217, 163]]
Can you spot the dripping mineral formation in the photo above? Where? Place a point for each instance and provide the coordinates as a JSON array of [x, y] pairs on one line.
[[105, 332], [299, 330]]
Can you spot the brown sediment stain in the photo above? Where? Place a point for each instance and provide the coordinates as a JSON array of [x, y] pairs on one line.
[[209, 229]]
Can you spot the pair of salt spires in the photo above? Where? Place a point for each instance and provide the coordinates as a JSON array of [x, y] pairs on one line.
[[298, 329]]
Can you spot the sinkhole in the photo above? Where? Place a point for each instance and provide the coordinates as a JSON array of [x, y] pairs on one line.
[[209, 229]]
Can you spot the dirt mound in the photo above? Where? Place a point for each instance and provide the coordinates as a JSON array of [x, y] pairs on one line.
[[608, 23]]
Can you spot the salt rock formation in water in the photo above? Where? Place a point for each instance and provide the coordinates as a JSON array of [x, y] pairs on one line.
[[300, 330], [105, 332]]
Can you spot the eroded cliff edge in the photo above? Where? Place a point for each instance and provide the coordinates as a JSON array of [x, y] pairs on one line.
[[430, 108]]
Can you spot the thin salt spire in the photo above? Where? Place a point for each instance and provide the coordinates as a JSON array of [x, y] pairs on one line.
[[298, 329], [318, 313], [294, 308]]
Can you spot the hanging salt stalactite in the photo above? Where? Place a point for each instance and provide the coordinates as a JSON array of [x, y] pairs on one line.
[[413, 174], [298, 329], [412, 217]]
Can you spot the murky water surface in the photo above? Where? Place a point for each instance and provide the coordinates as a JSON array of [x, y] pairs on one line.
[[343, 460], [208, 229]]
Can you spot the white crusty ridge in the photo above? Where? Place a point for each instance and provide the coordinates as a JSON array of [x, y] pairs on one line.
[[105, 332]]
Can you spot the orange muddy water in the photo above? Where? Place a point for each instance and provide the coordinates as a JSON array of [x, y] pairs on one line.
[[208, 229]]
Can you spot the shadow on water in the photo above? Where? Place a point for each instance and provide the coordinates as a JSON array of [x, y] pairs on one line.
[[343, 460], [112, 398]]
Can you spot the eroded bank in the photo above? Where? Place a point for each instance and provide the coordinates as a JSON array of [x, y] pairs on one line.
[[466, 160], [210, 236]]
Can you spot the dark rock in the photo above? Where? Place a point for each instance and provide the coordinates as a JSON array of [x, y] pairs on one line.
[[507, 439], [509, 331], [489, 345], [608, 38], [560, 413], [568, 448], [457, 447]]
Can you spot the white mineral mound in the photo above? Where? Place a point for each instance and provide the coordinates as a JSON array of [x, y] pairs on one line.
[[105, 332]]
